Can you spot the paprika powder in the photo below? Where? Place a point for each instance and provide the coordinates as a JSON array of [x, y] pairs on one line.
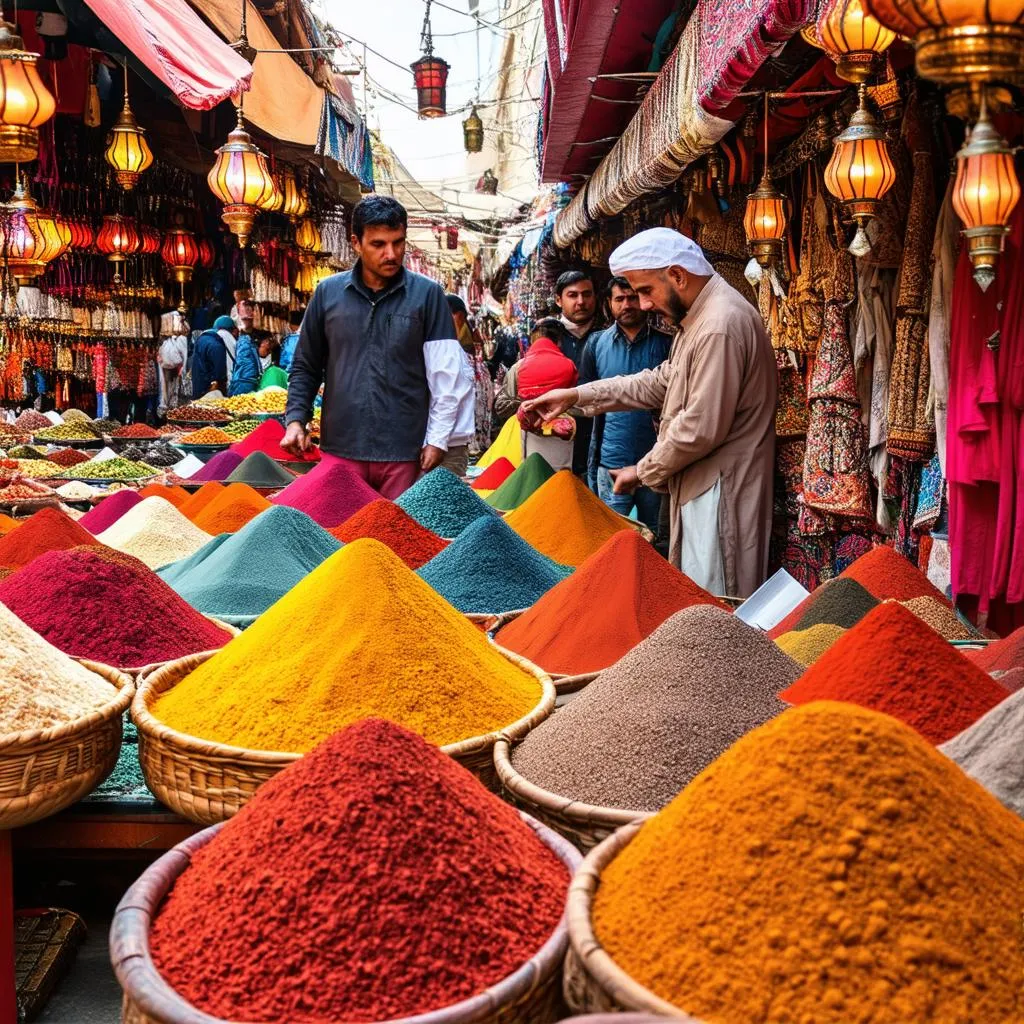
[[49, 529], [383, 520]]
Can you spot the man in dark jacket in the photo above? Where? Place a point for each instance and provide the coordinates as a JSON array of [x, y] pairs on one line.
[[382, 341], [213, 361]]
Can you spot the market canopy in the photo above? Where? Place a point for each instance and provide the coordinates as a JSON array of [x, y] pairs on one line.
[[686, 111], [169, 38]]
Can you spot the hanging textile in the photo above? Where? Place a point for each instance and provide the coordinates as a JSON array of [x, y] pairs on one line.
[[944, 252]]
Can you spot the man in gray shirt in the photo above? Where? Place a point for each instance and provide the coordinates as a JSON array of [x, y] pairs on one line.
[[382, 341]]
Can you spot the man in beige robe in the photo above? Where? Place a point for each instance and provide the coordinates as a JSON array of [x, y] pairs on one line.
[[716, 399]]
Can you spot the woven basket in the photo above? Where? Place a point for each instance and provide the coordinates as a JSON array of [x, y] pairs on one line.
[[42, 771], [585, 825], [565, 685], [531, 995], [594, 983], [208, 782]]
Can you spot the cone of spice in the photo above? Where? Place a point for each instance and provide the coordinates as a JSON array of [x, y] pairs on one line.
[[442, 503], [360, 635], [155, 532], [259, 470], [1001, 656], [231, 509], [267, 438], [49, 529], [494, 475], [383, 520], [207, 436], [198, 501], [218, 468], [374, 825], [107, 606], [108, 511], [328, 494], [177, 496], [531, 475]]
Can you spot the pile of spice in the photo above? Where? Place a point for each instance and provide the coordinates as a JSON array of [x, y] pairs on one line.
[[66, 457], [7, 524], [269, 401], [49, 529], [64, 432], [26, 451], [489, 568], [218, 467], [136, 430], [529, 477], [38, 469], [494, 476], [360, 635], [41, 687], [113, 469], [840, 602], [206, 436], [75, 416], [891, 661], [233, 507], [177, 496], [104, 426], [442, 503], [199, 414], [107, 606], [160, 455], [890, 576], [108, 511], [241, 428], [383, 520], [807, 645], [992, 751], [832, 867], [941, 617], [155, 532], [239, 576], [22, 491], [198, 501], [126, 781], [329, 493], [1003, 655], [507, 445], [660, 715], [76, 490], [267, 439], [614, 600], [425, 888], [565, 521], [30, 421], [260, 470]]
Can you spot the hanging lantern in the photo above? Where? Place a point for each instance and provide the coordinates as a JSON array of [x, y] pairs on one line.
[[25, 103], [241, 180], [861, 171], [305, 279], [307, 236], [765, 222], [984, 195], [55, 237], [149, 241], [64, 233], [853, 39], [181, 253], [127, 150], [207, 255], [431, 75], [294, 203], [962, 41], [82, 234], [117, 238], [473, 132], [28, 239], [275, 201]]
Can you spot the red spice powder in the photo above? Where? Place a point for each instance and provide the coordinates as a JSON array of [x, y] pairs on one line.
[[231, 509], [329, 494], [1001, 656], [198, 501], [618, 597], [375, 878], [136, 430], [49, 529], [266, 438], [105, 605], [177, 496], [893, 662], [383, 520], [68, 457], [494, 475], [108, 511]]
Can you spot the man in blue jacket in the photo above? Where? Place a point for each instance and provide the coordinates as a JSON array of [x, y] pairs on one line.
[[621, 439], [213, 360], [251, 359]]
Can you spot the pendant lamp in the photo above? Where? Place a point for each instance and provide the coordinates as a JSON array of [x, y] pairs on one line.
[[985, 194], [149, 241], [25, 103], [29, 238], [207, 255], [765, 218], [127, 150], [181, 253], [959, 41], [241, 180], [473, 133], [861, 170], [430, 74], [305, 280], [118, 238], [853, 39], [294, 203], [307, 236]]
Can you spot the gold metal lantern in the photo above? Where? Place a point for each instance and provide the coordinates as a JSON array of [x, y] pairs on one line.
[[127, 150], [853, 39], [25, 103], [241, 180]]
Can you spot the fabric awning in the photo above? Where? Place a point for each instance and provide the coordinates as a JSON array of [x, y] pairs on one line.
[[172, 41], [283, 100], [723, 45]]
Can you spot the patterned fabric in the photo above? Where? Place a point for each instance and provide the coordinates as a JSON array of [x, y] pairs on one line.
[[835, 468], [792, 415], [930, 495]]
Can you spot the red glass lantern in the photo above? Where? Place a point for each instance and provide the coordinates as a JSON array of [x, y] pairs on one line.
[[82, 234], [431, 85], [150, 241], [181, 253], [118, 238], [206, 254]]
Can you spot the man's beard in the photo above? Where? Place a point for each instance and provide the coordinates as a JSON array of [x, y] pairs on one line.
[[675, 310]]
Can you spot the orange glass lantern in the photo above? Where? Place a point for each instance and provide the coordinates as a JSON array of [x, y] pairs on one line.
[[294, 202], [206, 253], [25, 103], [241, 180], [765, 222], [29, 238], [118, 238], [959, 41], [82, 234], [181, 253], [861, 170], [307, 236], [853, 38], [149, 241], [127, 150], [984, 196]]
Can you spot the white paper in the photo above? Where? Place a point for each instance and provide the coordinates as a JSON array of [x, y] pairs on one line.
[[772, 601]]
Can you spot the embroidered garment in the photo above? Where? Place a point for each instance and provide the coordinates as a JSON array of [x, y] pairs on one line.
[[944, 253]]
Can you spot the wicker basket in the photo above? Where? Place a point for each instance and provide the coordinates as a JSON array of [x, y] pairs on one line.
[[42, 771], [491, 623], [148, 670], [208, 782], [565, 685], [585, 825], [531, 995], [594, 983]]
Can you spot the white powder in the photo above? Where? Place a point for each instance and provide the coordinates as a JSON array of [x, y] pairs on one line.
[[40, 686], [155, 532], [188, 466]]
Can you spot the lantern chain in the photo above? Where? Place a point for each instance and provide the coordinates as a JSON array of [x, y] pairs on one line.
[[426, 38]]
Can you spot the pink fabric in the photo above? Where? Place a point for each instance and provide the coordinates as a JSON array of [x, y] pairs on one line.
[[390, 479], [178, 47]]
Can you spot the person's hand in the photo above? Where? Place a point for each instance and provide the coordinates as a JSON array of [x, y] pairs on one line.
[[624, 481], [431, 457], [296, 438], [549, 406]]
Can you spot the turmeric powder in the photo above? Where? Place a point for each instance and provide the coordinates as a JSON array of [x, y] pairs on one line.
[[808, 645], [830, 868], [361, 636]]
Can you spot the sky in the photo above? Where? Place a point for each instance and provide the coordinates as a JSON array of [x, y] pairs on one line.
[[431, 149]]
